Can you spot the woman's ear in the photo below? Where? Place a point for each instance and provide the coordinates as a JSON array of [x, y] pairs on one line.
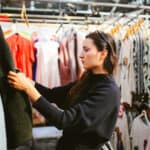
[[104, 53]]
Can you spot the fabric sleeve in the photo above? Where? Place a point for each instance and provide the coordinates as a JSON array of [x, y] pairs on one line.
[[100, 107], [55, 95]]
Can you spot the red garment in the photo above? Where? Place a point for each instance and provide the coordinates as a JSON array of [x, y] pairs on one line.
[[4, 18], [22, 52]]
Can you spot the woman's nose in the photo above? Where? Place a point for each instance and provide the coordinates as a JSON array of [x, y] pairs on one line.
[[81, 55]]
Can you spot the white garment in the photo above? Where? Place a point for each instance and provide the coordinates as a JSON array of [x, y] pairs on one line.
[[114, 140], [148, 144], [2, 128], [127, 81], [140, 131], [123, 127], [47, 71]]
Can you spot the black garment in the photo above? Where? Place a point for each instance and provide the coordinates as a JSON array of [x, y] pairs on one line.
[[17, 108], [29, 145], [91, 121], [26, 146]]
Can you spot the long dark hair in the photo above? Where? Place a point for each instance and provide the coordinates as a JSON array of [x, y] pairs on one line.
[[102, 41], [105, 41]]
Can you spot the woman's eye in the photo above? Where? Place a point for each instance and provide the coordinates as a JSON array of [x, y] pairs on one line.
[[86, 50]]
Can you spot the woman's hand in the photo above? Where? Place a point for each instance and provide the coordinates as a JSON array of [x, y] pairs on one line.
[[37, 117], [20, 82]]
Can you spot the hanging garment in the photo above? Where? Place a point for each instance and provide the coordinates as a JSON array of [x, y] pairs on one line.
[[4, 18], [47, 71], [79, 47], [64, 65], [17, 108], [140, 131], [122, 124], [72, 50], [148, 144], [126, 71], [22, 52], [2, 127], [146, 61]]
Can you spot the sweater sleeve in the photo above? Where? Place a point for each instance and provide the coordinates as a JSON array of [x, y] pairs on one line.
[[55, 95], [98, 112]]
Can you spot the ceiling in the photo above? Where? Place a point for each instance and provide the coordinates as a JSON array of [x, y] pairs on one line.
[[72, 7]]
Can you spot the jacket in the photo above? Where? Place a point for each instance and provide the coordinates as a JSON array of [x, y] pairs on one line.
[[17, 108]]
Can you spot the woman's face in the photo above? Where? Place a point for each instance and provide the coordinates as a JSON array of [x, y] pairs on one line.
[[90, 57]]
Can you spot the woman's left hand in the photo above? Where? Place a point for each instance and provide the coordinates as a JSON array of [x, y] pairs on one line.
[[18, 81]]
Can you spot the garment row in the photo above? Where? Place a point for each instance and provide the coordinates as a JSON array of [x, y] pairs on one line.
[[132, 132], [133, 73], [53, 59], [47, 59], [59, 55]]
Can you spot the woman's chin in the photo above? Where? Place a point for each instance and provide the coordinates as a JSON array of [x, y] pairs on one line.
[[86, 68]]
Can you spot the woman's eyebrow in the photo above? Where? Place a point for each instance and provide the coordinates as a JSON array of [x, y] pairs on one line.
[[85, 47]]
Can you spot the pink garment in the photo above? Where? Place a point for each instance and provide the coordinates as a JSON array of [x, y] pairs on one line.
[[64, 68], [75, 41]]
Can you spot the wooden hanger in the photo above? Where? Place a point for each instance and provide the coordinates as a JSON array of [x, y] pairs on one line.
[[24, 14]]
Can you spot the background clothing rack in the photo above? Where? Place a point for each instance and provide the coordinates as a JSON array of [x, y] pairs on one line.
[[54, 19], [72, 7]]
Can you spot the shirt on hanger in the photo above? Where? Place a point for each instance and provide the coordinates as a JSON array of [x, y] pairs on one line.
[[22, 52], [140, 131], [47, 71]]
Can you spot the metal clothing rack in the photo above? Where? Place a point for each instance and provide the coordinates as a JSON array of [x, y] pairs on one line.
[[35, 18], [105, 4], [82, 16], [56, 11]]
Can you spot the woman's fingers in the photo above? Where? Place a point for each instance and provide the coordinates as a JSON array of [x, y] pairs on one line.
[[11, 73], [11, 79], [12, 83]]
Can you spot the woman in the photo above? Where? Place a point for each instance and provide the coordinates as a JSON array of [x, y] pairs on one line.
[[90, 105]]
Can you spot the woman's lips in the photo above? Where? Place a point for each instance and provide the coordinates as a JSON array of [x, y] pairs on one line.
[[82, 61]]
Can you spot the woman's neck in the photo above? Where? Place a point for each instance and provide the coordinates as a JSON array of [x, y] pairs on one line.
[[99, 70]]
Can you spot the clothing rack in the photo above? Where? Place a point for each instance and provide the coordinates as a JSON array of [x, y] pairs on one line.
[[83, 20], [80, 17], [52, 11], [105, 4]]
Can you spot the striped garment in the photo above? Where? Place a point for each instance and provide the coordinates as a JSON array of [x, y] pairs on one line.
[[106, 146]]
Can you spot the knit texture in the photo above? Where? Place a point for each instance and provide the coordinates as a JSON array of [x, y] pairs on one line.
[[17, 108], [92, 117]]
